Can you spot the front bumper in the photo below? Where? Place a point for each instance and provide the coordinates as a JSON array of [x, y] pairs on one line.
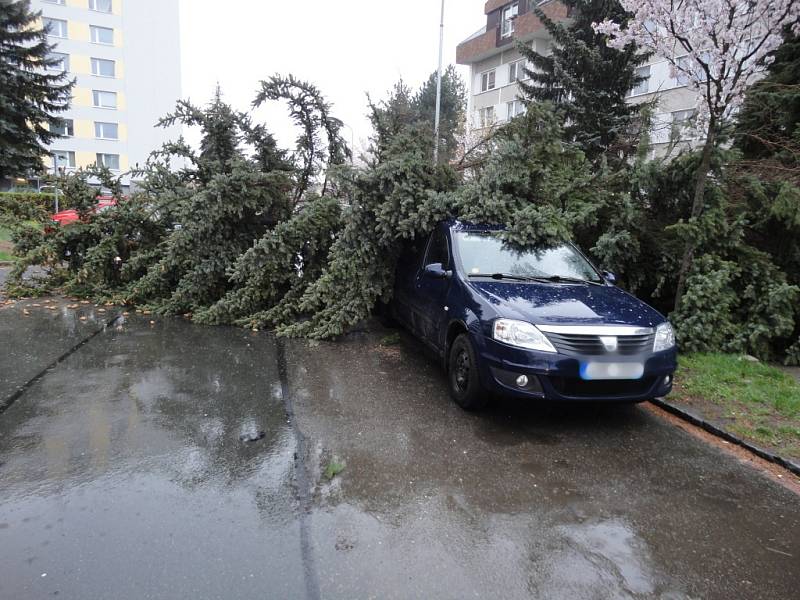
[[557, 377]]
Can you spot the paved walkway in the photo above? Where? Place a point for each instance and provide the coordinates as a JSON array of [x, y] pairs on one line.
[[160, 459]]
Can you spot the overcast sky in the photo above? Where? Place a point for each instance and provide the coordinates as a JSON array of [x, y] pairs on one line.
[[346, 47]]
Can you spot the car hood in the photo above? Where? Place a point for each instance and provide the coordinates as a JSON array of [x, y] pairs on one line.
[[563, 304]]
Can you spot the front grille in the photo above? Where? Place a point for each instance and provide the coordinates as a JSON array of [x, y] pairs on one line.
[[578, 388], [590, 345]]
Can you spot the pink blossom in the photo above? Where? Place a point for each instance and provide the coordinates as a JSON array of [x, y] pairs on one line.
[[718, 47]]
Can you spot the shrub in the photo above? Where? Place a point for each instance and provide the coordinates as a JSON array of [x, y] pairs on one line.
[[25, 206]]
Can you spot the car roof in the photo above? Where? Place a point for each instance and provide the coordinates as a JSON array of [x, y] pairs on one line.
[[459, 225]]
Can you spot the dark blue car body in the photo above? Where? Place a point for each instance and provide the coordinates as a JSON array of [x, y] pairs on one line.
[[438, 310]]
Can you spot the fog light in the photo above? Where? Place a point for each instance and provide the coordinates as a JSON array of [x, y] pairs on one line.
[[667, 379], [522, 381]]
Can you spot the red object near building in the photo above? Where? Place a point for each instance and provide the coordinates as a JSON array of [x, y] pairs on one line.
[[69, 216]]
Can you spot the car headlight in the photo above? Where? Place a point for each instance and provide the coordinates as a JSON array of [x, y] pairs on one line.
[[521, 335], [665, 338]]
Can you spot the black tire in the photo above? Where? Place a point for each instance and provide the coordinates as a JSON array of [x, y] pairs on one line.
[[463, 377]]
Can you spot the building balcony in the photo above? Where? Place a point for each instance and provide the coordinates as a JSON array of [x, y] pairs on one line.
[[489, 40]]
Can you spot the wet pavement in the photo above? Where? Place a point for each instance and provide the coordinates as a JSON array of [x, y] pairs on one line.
[[125, 472], [37, 334]]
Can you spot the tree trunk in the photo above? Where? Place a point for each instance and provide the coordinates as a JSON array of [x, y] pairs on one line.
[[697, 208]]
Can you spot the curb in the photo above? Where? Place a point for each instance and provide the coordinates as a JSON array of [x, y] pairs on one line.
[[726, 435], [7, 403]]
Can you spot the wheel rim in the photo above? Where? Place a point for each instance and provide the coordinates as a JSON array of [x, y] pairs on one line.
[[461, 371]]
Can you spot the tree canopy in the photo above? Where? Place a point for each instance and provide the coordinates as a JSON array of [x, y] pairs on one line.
[[587, 80], [34, 90], [300, 241]]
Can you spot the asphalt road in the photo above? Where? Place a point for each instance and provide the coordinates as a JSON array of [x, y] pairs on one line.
[[123, 474]]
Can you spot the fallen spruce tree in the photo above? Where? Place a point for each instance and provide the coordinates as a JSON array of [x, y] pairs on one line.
[[303, 243]]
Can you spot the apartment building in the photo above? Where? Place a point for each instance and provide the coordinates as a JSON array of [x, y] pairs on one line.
[[125, 58], [497, 67]]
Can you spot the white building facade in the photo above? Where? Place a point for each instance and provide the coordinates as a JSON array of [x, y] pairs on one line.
[[496, 67], [125, 58]]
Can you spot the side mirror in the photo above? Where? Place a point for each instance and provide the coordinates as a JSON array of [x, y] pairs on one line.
[[436, 271], [610, 277]]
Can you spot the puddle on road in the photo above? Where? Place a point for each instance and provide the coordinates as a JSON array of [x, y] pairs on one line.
[[537, 501], [129, 456], [124, 471]]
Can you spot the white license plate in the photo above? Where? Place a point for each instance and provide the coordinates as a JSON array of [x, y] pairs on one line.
[[611, 371]]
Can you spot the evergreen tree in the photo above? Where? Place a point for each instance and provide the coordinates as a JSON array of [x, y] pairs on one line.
[[320, 144], [405, 121], [544, 190], [225, 203], [587, 81], [766, 180], [399, 197], [769, 122], [31, 97], [454, 99], [768, 173]]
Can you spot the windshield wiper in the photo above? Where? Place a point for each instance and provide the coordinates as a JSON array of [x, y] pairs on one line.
[[544, 279], [501, 276], [560, 279]]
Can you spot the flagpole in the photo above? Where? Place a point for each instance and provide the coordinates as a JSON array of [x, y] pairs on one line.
[[439, 90]]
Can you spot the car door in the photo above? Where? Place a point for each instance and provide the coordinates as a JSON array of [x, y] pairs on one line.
[[405, 287], [431, 292]]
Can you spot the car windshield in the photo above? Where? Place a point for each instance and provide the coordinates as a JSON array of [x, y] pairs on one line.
[[485, 253]]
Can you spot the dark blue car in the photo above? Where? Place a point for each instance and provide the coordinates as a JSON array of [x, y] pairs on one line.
[[534, 324]]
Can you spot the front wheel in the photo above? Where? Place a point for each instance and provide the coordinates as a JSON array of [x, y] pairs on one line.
[[462, 370]]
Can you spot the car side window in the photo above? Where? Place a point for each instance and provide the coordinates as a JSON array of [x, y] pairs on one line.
[[437, 250], [412, 254]]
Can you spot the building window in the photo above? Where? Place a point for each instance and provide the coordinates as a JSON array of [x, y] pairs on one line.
[[104, 99], [103, 68], [55, 27], [102, 35], [488, 80], [510, 13], [109, 161], [100, 5], [106, 131], [516, 71], [58, 62], [643, 87], [65, 129], [514, 108], [64, 159], [683, 68], [486, 116], [682, 125]]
